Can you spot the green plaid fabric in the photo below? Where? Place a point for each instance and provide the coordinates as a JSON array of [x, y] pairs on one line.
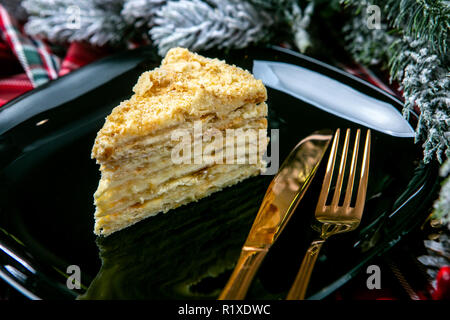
[[39, 63]]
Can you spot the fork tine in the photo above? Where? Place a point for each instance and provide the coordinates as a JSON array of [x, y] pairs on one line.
[[351, 177], [361, 197], [340, 177], [329, 172], [335, 219]]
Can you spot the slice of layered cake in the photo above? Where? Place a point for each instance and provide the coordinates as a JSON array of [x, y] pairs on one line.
[[193, 126]]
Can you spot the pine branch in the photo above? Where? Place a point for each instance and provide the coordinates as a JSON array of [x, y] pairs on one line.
[[299, 21], [368, 46], [98, 22], [437, 255], [198, 25], [140, 13], [276, 7], [426, 83], [442, 206], [424, 19]]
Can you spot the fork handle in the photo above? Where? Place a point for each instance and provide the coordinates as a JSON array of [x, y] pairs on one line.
[[298, 289], [243, 274]]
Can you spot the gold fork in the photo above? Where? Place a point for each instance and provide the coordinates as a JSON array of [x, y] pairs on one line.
[[335, 218]]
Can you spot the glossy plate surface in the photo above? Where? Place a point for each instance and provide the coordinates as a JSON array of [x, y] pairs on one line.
[[47, 181]]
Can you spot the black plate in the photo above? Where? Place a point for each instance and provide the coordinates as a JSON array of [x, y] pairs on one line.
[[47, 181]]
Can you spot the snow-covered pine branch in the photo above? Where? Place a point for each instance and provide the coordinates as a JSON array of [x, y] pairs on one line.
[[96, 21], [198, 25]]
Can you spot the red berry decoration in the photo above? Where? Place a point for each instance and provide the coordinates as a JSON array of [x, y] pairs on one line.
[[442, 291]]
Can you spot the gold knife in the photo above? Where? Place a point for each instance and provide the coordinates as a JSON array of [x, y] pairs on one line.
[[282, 197]]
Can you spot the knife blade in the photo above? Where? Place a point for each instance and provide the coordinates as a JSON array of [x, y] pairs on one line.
[[282, 197], [332, 96]]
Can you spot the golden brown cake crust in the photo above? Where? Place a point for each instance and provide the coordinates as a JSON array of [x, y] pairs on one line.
[[139, 177], [186, 86]]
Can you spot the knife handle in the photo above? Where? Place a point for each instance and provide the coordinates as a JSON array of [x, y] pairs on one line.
[[246, 267], [298, 289]]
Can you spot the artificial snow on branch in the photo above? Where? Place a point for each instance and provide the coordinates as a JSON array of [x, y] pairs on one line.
[[426, 83], [437, 255], [419, 67], [198, 25], [425, 19], [290, 13], [140, 13], [368, 46], [96, 21], [300, 20], [442, 205]]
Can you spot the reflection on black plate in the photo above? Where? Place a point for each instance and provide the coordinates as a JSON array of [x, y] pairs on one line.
[[47, 180]]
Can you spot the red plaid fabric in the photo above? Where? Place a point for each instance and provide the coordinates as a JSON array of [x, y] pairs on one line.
[[80, 54], [38, 62], [27, 62], [13, 87]]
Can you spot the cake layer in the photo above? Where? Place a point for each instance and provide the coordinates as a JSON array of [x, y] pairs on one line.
[[145, 189], [154, 173], [198, 188], [156, 159], [137, 148], [153, 155], [185, 87]]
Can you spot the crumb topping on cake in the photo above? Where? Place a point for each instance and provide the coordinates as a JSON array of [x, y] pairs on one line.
[[185, 86]]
